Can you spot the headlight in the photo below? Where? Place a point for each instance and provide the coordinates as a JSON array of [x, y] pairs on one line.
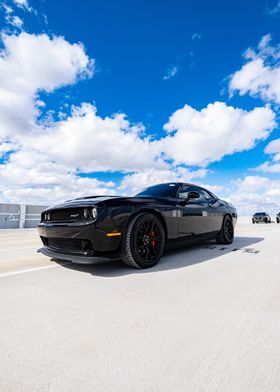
[[85, 213], [93, 213]]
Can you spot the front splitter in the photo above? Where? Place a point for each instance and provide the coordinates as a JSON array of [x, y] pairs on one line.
[[76, 258]]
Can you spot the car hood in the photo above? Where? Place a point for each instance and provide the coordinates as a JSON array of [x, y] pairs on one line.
[[103, 200], [82, 202]]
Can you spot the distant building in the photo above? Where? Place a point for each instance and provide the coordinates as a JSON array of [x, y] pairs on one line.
[[15, 216]]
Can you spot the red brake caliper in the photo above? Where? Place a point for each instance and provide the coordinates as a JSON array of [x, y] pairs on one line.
[[153, 242]]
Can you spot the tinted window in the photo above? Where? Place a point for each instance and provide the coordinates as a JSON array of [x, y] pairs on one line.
[[207, 195], [161, 190], [204, 196]]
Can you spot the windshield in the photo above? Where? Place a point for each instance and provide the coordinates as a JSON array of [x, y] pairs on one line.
[[260, 213], [160, 190]]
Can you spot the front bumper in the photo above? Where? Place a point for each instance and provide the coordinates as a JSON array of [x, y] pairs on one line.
[[80, 243], [79, 259]]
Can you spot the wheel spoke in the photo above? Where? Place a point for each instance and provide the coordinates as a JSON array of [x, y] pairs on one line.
[[148, 240], [154, 249], [229, 229], [147, 253]]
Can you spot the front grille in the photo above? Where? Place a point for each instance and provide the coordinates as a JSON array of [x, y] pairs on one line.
[[67, 245], [66, 215]]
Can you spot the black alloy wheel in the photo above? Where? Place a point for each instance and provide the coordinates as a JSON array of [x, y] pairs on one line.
[[144, 241], [226, 234]]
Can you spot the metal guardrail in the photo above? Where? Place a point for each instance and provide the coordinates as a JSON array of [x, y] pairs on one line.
[[19, 218]]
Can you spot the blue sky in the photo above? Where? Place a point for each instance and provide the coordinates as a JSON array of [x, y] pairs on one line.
[[151, 58]]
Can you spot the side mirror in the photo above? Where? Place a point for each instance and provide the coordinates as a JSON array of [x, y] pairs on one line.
[[193, 195], [190, 195]]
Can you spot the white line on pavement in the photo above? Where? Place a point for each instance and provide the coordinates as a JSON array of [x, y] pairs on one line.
[[31, 270], [16, 249]]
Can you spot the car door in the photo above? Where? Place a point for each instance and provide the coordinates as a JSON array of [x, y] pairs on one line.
[[197, 215]]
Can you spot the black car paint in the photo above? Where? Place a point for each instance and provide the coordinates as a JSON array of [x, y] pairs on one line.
[[182, 221]]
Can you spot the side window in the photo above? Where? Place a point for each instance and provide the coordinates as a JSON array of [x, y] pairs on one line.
[[183, 194], [206, 194], [186, 189]]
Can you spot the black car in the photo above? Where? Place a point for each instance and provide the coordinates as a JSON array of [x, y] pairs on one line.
[[261, 217], [136, 229], [278, 217]]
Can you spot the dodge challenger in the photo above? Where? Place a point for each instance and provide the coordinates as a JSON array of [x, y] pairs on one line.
[[136, 229]]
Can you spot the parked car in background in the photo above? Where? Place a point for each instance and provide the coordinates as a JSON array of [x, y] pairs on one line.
[[136, 229], [278, 217], [262, 217]]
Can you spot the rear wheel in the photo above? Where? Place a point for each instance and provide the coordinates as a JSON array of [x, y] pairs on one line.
[[144, 241], [226, 234]]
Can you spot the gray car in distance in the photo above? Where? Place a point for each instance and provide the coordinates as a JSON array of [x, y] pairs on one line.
[[261, 217]]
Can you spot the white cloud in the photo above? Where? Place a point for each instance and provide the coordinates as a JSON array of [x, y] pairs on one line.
[[15, 21], [6, 147], [23, 4], [135, 181], [274, 11], [260, 75], [7, 9], [205, 136], [268, 167], [31, 177], [273, 148], [91, 143], [256, 193], [48, 156], [217, 189], [171, 72], [196, 36], [31, 63]]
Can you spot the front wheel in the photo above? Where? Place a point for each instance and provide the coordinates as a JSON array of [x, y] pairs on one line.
[[144, 241], [226, 234]]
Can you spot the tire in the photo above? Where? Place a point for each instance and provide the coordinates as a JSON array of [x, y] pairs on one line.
[[226, 234], [253, 222], [144, 241]]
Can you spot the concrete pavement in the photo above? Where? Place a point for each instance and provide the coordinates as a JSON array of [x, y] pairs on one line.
[[206, 318]]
